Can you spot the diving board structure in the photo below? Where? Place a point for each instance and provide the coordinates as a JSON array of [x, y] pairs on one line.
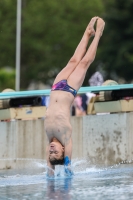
[[111, 98], [82, 90]]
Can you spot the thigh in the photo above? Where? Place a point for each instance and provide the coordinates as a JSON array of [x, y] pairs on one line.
[[65, 72], [77, 77]]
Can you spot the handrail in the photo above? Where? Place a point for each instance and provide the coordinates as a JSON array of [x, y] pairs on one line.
[[95, 89]]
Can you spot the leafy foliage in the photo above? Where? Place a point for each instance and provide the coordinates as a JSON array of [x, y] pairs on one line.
[[51, 30], [7, 32], [117, 49], [7, 79]]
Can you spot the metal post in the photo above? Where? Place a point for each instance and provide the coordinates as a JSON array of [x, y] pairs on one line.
[[18, 45]]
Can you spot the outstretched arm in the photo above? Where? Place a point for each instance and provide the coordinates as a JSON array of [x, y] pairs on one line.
[[68, 149], [67, 157], [50, 168]]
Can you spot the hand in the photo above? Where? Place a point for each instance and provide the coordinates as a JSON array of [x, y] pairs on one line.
[[100, 26], [50, 172], [68, 171], [90, 27]]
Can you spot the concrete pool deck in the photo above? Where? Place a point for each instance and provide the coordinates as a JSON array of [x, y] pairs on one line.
[[102, 139]]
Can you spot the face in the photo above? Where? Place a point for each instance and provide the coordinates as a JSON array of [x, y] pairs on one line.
[[55, 150]]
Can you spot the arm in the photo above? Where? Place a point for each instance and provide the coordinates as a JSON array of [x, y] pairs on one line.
[[50, 168], [68, 149], [67, 157]]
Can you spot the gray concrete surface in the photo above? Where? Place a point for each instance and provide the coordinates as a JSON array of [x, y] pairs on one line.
[[101, 139]]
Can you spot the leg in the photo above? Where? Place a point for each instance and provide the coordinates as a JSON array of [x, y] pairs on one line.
[[76, 78], [78, 54]]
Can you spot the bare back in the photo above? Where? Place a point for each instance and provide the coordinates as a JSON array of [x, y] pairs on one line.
[[57, 120]]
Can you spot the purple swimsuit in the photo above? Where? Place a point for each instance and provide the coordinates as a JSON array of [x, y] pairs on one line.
[[62, 85]]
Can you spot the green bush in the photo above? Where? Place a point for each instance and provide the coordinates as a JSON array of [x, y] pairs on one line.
[[7, 79]]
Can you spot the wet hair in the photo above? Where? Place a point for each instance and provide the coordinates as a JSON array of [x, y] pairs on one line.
[[55, 161]]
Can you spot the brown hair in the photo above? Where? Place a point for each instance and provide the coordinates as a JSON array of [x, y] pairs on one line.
[[55, 161]]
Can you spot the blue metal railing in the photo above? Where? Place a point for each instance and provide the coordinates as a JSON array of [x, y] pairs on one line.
[[8, 95]]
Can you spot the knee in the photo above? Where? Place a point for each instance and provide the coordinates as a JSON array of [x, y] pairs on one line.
[[74, 60], [85, 62]]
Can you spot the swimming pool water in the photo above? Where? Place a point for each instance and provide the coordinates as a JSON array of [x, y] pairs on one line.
[[114, 182]]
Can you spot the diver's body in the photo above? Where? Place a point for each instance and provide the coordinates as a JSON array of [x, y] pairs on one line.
[[57, 119], [64, 89]]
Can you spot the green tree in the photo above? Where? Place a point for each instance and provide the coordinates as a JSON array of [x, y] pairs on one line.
[[7, 32], [117, 49], [51, 30], [7, 78]]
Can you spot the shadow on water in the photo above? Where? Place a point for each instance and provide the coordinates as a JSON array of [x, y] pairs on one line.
[[88, 182]]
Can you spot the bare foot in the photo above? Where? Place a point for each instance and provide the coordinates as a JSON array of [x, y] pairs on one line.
[[100, 26], [90, 27]]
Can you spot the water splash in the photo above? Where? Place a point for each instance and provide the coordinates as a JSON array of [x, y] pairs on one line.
[[35, 171]]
